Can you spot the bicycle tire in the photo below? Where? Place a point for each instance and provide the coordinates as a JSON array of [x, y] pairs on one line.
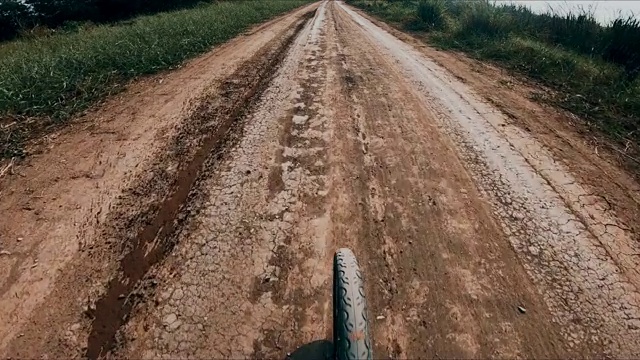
[[350, 326]]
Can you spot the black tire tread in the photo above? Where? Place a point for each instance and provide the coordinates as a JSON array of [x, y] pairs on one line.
[[351, 330]]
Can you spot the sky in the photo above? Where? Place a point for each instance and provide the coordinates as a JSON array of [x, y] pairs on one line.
[[604, 11]]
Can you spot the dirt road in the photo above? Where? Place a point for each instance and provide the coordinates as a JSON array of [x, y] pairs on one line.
[[196, 215]]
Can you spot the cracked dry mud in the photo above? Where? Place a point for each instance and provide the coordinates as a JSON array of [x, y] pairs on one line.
[[479, 236]]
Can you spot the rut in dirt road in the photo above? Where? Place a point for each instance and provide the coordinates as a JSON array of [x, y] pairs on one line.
[[221, 116], [475, 239], [246, 241]]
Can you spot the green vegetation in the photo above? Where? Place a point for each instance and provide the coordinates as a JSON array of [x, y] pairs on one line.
[[431, 14], [52, 77], [593, 68]]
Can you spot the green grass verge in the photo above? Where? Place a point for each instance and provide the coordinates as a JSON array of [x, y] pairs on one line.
[[547, 48], [52, 78]]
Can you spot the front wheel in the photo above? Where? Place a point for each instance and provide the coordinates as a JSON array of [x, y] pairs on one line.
[[350, 326]]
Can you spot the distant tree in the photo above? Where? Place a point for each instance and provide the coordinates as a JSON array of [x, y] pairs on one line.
[[111, 10], [14, 15], [56, 12]]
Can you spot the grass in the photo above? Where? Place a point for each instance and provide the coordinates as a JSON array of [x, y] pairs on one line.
[[431, 14], [54, 77], [594, 68]]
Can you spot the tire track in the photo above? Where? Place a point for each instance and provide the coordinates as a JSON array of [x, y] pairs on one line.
[[573, 247], [212, 128], [263, 213]]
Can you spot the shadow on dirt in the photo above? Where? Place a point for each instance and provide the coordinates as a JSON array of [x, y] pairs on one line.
[[315, 350]]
